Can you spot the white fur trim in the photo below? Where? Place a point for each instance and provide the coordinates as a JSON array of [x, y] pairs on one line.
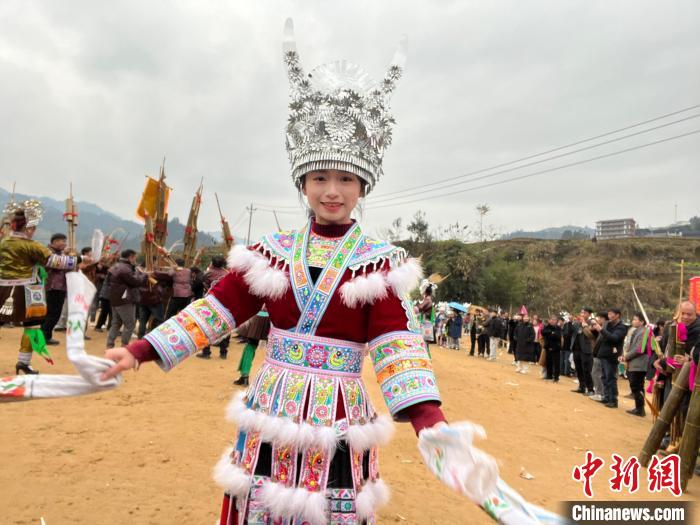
[[264, 280], [241, 258], [285, 502], [375, 433], [405, 277], [232, 478], [364, 290], [372, 496], [267, 282], [280, 430]]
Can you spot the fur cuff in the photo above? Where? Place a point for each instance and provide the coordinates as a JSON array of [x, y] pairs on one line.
[[280, 430], [372, 496], [264, 280], [230, 477], [405, 277], [286, 502]]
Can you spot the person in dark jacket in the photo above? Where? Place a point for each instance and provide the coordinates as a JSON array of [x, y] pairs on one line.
[[124, 283], [566, 333], [636, 360], [582, 348], [597, 371], [612, 336], [512, 325], [492, 326], [151, 303], [472, 333], [217, 270], [482, 337], [55, 290], [525, 345], [551, 334], [182, 288], [454, 330], [197, 283]]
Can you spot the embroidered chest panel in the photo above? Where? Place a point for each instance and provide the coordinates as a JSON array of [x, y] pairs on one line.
[[320, 250]]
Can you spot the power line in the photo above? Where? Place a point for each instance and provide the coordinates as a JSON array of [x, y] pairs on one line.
[[281, 212], [276, 207], [381, 198], [422, 189], [549, 170]]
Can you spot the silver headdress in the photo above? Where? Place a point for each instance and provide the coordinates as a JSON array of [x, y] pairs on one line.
[[338, 116], [33, 211]]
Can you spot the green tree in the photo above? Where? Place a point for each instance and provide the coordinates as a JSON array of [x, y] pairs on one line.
[[419, 228], [503, 284]]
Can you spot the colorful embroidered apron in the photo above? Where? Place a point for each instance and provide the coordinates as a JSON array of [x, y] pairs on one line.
[[301, 380]]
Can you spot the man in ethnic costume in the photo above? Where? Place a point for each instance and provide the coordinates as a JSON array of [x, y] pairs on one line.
[[22, 276], [308, 435]]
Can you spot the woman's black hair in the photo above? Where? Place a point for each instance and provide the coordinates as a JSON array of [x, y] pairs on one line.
[[19, 221], [640, 316]]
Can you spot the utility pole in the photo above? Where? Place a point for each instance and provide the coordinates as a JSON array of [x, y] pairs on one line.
[[250, 221], [675, 213]]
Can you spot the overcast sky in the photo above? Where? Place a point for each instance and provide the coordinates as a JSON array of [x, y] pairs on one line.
[[97, 93]]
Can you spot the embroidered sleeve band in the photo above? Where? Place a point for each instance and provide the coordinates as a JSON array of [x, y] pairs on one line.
[[404, 370], [62, 262], [204, 322]]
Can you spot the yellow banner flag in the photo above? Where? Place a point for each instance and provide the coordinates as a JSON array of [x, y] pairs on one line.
[[149, 199]]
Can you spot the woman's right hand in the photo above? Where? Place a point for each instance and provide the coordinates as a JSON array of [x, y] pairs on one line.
[[123, 360]]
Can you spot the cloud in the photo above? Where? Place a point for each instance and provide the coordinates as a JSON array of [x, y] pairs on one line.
[[97, 96]]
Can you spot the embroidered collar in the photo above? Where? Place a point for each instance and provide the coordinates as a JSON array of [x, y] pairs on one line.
[[278, 247]]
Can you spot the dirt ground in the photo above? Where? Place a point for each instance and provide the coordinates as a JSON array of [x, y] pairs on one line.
[[143, 454]]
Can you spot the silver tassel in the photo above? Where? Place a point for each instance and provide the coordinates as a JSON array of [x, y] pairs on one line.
[[9, 306]]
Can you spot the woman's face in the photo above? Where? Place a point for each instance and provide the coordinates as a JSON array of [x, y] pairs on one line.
[[332, 195]]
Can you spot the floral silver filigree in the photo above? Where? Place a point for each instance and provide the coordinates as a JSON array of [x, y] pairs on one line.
[[339, 118]]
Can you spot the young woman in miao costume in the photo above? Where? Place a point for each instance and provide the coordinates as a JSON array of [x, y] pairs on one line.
[[306, 449]]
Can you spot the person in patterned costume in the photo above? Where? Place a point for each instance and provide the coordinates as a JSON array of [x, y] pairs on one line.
[[306, 451], [23, 263]]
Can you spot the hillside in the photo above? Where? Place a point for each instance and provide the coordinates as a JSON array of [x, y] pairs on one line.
[[556, 233], [91, 217], [550, 276]]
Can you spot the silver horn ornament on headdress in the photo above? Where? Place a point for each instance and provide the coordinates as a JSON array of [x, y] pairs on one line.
[[339, 117]]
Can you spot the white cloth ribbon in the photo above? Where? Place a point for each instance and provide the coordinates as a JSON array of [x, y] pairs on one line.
[[21, 388], [449, 453]]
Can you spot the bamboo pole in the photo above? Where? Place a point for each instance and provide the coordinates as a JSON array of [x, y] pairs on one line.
[[71, 218], [225, 229], [160, 221], [668, 412], [190, 240], [688, 449]]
